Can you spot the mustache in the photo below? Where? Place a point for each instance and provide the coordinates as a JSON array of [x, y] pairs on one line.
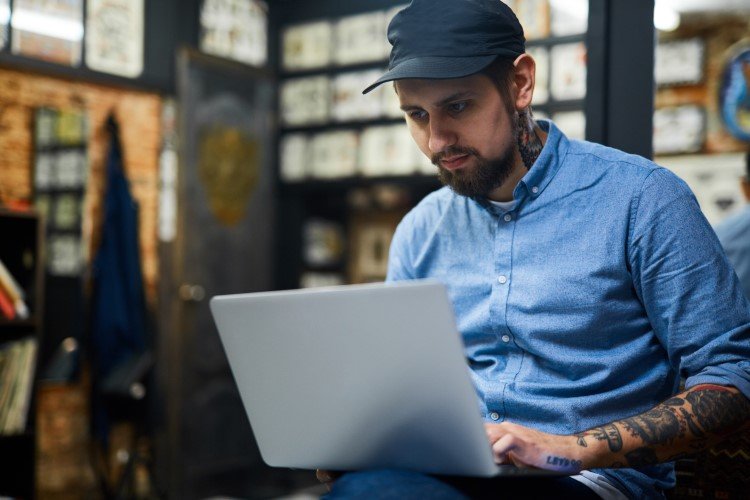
[[452, 151]]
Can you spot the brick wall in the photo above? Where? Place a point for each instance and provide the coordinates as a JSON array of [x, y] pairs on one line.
[[138, 114]]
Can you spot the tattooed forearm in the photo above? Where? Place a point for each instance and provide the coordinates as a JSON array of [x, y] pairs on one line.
[[609, 433], [683, 424]]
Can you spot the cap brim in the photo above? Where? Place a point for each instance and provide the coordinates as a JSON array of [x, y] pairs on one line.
[[434, 67]]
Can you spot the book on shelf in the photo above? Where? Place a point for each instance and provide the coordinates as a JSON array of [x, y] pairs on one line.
[[17, 362], [7, 310], [15, 295]]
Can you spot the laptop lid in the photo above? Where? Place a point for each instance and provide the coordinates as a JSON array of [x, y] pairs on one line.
[[355, 377]]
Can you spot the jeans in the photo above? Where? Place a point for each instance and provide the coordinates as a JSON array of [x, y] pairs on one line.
[[401, 484]]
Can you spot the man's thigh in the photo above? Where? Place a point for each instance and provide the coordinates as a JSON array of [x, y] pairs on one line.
[[391, 484]]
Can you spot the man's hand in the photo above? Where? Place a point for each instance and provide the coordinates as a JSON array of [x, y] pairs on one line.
[[525, 447], [327, 477]]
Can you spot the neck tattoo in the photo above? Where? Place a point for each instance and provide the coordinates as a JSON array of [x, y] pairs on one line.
[[529, 144]]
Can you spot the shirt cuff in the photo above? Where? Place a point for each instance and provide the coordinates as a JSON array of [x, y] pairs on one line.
[[734, 374]]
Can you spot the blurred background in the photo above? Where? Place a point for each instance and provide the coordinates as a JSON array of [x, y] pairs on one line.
[[154, 154]]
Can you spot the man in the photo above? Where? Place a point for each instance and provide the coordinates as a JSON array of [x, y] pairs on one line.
[[734, 234], [585, 281]]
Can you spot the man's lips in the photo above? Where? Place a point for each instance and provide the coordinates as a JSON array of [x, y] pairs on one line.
[[454, 162]]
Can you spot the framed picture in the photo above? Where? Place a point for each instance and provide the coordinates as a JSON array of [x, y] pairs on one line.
[[387, 150], [305, 101], [534, 16], [569, 17], [679, 129], [334, 154], [680, 62], [360, 38], [369, 242], [568, 71], [324, 242], [235, 29], [294, 156], [347, 101], [114, 36], [59, 39], [307, 46]]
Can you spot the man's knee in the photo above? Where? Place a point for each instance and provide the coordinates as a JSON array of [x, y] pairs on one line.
[[388, 483]]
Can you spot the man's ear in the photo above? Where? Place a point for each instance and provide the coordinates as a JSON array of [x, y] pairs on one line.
[[523, 80]]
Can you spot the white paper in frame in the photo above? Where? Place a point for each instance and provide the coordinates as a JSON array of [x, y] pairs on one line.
[[679, 62], [235, 29], [307, 46], [534, 16], [679, 129], [360, 38], [387, 150], [305, 101], [294, 156], [348, 102], [333, 155], [114, 36], [59, 40], [568, 71]]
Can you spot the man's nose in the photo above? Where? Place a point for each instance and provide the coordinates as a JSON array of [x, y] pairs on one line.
[[441, 136]]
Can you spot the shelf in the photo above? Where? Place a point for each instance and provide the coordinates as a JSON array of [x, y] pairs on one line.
[[16, 324], [324, 186], [331, 126], [334, 70], [556, 40]]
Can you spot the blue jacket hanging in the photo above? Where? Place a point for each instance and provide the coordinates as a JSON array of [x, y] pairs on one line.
[[119, 310]]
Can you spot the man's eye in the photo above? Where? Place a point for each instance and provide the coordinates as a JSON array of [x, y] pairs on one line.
[[457, 107], [418, 115]]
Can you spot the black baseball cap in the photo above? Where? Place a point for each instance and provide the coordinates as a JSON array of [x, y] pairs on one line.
[[450, 39]]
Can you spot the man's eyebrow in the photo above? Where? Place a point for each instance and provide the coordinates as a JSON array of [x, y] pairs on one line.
[[442, 102]]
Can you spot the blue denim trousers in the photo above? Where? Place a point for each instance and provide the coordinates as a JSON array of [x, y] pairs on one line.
[[401, 484]]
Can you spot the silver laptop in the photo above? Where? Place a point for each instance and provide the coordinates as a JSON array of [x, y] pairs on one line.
[[356, 377]]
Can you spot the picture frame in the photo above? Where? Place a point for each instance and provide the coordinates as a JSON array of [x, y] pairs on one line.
[[235, 30], [305, 100], [114, 36], [680, 62], [307, 46], [61, 42], [568, 71], [679, 129], [360, 38]]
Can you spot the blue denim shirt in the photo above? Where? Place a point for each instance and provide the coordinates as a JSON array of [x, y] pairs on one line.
[[734, 235], [587, 301]]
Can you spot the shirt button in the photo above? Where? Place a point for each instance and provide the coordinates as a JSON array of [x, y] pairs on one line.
[[506, 338], [535, 190], [502, 280], [508, 218], [494, 416]]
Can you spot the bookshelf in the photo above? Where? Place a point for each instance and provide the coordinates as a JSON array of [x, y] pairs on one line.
[[22, 254]]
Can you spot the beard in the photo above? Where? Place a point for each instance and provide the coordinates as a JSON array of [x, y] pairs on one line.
[[480, 179], [486, 175]]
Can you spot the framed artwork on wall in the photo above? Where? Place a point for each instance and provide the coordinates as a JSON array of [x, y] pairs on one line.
[[307, 46], [235, 29], [48, 29], [114, 36], [679, 129], [680, 62]]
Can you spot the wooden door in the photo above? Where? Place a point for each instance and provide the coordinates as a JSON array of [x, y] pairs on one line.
[[223, 245]]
